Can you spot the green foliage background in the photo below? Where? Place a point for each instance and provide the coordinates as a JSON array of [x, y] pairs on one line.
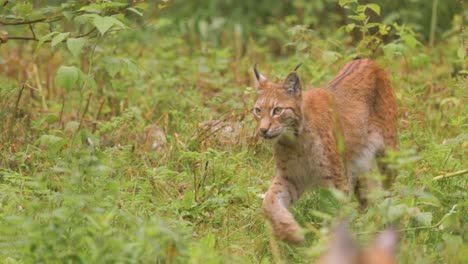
[[126, 133]]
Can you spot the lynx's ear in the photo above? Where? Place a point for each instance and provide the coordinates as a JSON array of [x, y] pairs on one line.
[[292, 84], [259, 78], [297, 67]]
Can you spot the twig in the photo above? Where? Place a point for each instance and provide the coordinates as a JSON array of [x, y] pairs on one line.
[[32, 30], [98, 114], [22, 38], [62, 109], [451, 174], [49, 20], [22, 22], [433, 22], [18, 100], [39, 86], [34, 38], [85, 110], [451, 212]]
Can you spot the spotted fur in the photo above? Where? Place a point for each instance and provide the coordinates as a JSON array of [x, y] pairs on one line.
[[357, 107]]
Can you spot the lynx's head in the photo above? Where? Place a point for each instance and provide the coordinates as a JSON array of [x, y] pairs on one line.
[[278, 109]]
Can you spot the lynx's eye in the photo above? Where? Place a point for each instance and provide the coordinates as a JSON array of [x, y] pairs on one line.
[[277, 111], [257, 111]]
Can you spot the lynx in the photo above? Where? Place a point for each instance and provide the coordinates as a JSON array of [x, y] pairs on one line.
[[343, 250], [325, 136]]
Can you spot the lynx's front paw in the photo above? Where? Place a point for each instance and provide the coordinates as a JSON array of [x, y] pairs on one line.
[[289, 232], [285, 227]]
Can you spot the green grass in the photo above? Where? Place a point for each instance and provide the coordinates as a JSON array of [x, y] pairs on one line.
[[86, 185]]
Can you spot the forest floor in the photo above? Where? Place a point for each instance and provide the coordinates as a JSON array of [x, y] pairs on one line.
[[161, 162]]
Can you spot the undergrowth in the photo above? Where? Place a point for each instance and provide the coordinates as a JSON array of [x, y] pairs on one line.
[[161, 162]]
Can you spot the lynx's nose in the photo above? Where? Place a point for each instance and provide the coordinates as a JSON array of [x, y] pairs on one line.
[[263, 130]]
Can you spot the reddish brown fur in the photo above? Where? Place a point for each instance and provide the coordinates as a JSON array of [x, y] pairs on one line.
[[357, 106]]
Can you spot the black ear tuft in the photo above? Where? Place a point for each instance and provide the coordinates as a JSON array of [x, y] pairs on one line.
[[260, 78], [292, 84], [297, 67], [257, 75]]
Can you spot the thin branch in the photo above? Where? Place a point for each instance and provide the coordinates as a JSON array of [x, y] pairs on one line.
[[18, 100], [436, 225], [21, 38], [86, 34], [451, 174], [62, 109], [32, 30], [40, 20], [22, 22], [47, 41], [85, 111]]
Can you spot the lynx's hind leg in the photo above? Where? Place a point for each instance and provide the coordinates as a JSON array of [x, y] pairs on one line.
[[385, 169], [279, 196], [384, 119], [360, 190], [362, 164]]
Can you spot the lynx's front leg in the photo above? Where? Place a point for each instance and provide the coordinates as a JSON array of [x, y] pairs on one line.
[[281, 194]]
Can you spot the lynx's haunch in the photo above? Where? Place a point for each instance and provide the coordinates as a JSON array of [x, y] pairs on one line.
[[308, 129]]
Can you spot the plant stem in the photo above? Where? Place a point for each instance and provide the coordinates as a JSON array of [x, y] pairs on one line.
[[433, 22], [447, 175]]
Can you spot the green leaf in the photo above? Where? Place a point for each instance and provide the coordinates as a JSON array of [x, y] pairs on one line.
[[101, 6], [112, 66], [88, 80], [329, 56], [394, 49], [372, 24], [51, 142], [374, 7], [23, 9], [461, 53], [45, 38], [67, 76], [410, 40], [135, 11], [51, 118], [83, 19], [425, 218], [383, 29], [343, 3], [350, 27], [452, 242], [103, 24], [131, 66], [360, 17], [142, 6], [396, 211], [361, 9], [321, 215], [75, 45], [72, 126], [59, 38]]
